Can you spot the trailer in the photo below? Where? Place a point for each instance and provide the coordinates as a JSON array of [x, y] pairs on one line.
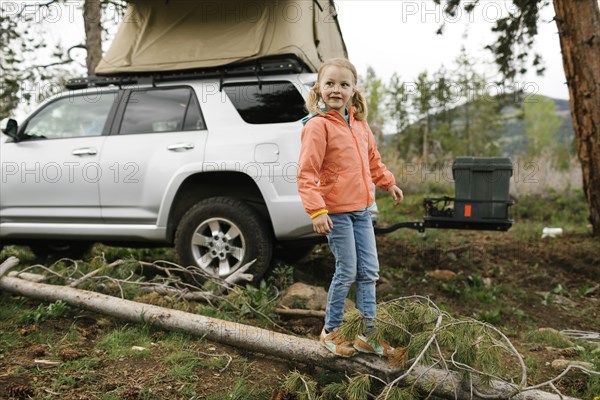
[[481, 199]]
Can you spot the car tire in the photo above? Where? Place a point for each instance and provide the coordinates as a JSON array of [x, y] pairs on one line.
[[72, 250], [221, 234]]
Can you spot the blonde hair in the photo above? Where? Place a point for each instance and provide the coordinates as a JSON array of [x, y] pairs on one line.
[[358, 101]]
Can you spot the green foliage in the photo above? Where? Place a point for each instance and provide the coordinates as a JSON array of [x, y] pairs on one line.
[[213, 312], [11, 308], [43, 312], [589, 351], [82, 364], [553, 208], [21, 45], [472, 288], [126, 253], [118, 343], [358, 388], [397, 103], [396, 393], [478, 120], [252, 302], [533, 368], [303, 386], [281, 277], [110, 396], [549, 338], [587, 290], [374, 91], [436, 122], [242, 390], [493, 316], [543, 132], [355, 325], [541, 124], [476, 345], [183, 364], [24, 42], [515, 35], [8, 341], [23, 253], [334, 391], [415, 324]]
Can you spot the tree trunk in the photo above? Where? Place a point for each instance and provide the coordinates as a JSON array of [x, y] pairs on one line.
[[449, 384], [578, 25], [92, 12]]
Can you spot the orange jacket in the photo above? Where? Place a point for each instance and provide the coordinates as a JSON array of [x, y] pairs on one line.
[[338, 161]]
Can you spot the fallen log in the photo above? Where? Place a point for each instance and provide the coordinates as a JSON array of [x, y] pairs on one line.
[[238, 335], [448, 383], [28, 276], [294, 312]]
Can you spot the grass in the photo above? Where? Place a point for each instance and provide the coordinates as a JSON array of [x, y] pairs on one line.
[[11, 310], [242, 390], [9, 340], [118, 343], [110, 396], [175, 357], [531, 213], [82, 364], [20, 323], [182, 365], [44, 312], [549, 338]]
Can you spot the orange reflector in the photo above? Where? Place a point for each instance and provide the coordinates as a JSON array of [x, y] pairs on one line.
[[467, 210]]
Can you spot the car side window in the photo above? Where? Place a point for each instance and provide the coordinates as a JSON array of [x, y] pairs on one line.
[[70, 117], [162, 110], [267, 103]]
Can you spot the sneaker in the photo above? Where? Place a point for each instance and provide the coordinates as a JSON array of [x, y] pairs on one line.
[[335, 344], [362, 344]]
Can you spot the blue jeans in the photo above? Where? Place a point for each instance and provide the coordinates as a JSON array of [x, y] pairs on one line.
[[352, 242]]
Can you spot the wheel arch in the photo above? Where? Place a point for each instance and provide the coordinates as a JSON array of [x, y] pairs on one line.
[[205, 185]]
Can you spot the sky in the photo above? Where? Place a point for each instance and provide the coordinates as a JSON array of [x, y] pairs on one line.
[[396, 36], [400, 36]]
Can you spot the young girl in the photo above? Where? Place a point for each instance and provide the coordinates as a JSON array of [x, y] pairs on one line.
[[338, 163]]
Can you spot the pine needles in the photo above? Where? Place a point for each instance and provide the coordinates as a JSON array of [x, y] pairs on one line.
[[419, 330]]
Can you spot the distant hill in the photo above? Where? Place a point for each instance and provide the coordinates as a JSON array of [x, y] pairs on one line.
[[514, 139]]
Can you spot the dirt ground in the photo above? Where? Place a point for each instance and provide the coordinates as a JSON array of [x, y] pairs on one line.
[[519, 285]]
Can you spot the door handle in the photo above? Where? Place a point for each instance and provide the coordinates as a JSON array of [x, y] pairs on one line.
[[85, 151], [181, 146]]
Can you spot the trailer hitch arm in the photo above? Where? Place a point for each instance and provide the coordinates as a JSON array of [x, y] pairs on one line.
[[417, 225]]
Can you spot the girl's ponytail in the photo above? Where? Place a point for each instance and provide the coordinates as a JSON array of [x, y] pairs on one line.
[[312, 102], [360, 105]]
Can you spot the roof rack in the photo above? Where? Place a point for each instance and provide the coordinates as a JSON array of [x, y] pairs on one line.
[[262, 66]]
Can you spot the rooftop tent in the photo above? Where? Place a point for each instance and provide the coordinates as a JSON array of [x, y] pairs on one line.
[[174, 35]]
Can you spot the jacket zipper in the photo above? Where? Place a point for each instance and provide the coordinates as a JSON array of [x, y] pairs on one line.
[[362, 163]]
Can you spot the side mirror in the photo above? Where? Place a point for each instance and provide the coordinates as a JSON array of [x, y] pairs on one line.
[[9, 127]]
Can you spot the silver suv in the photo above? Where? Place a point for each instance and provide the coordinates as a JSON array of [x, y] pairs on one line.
[[205, 162]]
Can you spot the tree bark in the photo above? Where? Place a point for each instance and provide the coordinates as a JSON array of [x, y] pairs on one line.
[[448, 383], [92, 12], [578, 25]]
